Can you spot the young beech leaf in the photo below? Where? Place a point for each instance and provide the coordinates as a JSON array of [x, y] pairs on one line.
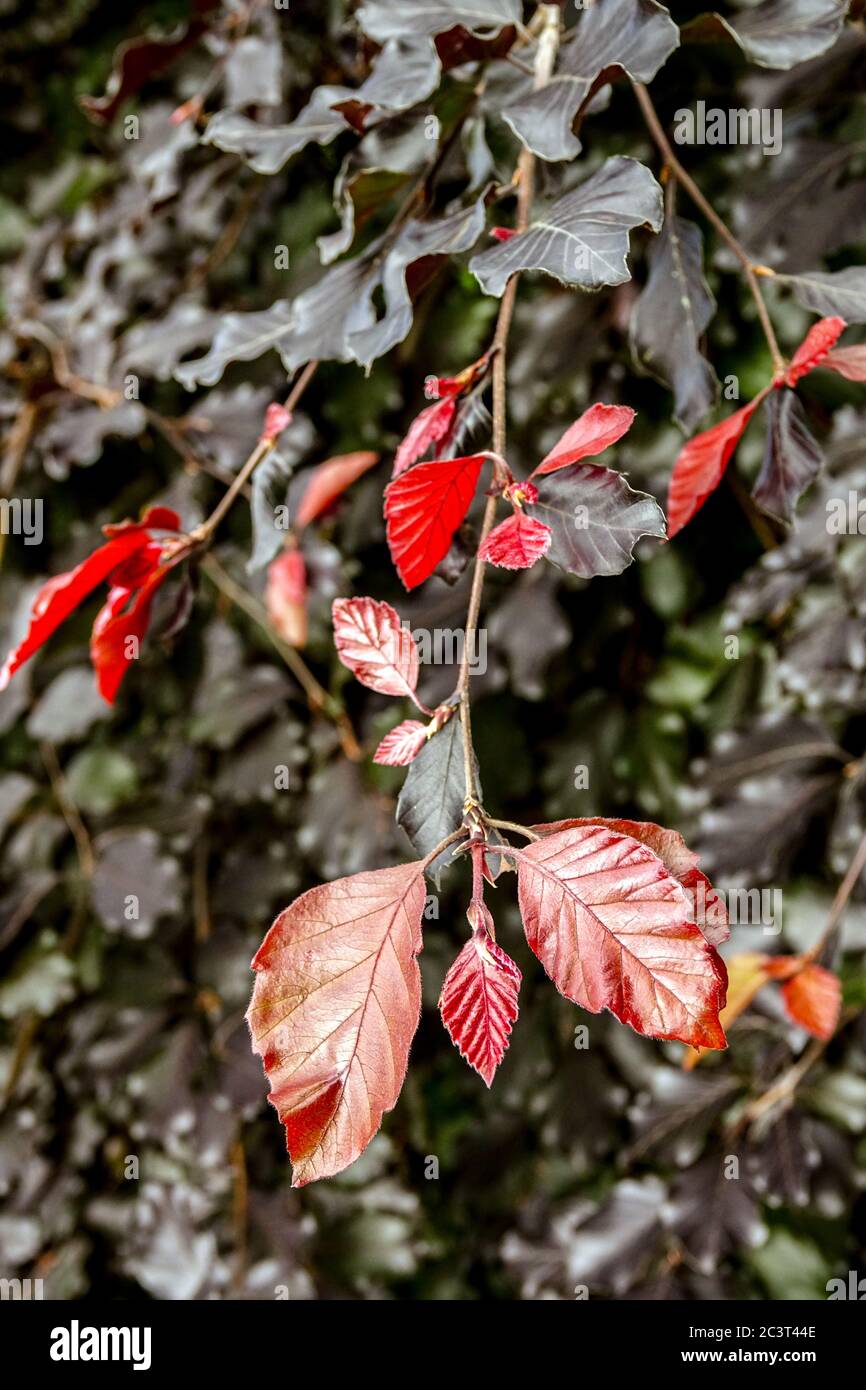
[[402, 745], [709, 912], [372, 642], [701, 465], [613, 929], [428, 428], [479, 1002], [329, 481], [286, 597], [595, 431], [595, 518], [822, 336], [423, 509], [849, 362], [335, 1006], [430, 804], [516, 543], [813, 999], [792, 457]]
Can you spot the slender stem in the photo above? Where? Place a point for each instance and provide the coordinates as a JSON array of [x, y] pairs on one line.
[[442, 845], [840, 901], [317, 696], [782, 1090], [513, 827], [548, 17], [204, 532], [761, 526], [685, 179], [69, 810]]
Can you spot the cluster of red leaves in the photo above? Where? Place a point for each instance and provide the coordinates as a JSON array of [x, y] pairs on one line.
[[521, 540], [701, 464], [426, 504], [609, 914], [132, 563]]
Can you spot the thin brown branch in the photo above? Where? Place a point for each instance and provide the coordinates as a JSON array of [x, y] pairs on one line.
[[513, 827], [840, 901], [69, 810], [684, 178], [203, 534], [548, 19], [317, 697]]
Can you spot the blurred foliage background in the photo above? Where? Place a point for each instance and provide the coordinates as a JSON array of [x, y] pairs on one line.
[[126, 1039]]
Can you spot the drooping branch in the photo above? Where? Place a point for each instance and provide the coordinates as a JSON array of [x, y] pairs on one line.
[[684, 178], [548, 21]]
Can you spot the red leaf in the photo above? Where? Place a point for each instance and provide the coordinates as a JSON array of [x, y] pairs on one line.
[[428, 428], [402, 745], [613, 930], [813, 999], [334, 1010], [423, 509], [516, 544], [60, 596], [849, 362], [702, 463], [329, 481], [120, 627], [709, 912], [814, 348], [479, 1002], [372, 642], [286, 597], [595, 431]]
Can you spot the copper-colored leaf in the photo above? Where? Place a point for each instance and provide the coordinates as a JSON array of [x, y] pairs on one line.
[[479, 1002], [612, 927], [329, 481], [709, 911], [813, 998], [334, 1010], [372, 642]]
